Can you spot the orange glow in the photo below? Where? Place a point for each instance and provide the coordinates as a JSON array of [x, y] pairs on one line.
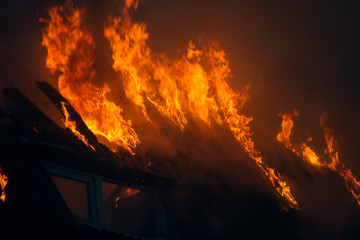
[[195, 84], [70, 52], [3, 183], [125, 194]]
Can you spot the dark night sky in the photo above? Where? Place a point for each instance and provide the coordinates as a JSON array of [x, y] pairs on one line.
[[302, 54]]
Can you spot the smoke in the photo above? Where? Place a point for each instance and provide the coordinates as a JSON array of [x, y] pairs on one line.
[[302, 55]]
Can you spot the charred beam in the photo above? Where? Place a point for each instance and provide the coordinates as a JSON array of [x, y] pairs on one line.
[[56, 98], [18, 105], [30, 120]]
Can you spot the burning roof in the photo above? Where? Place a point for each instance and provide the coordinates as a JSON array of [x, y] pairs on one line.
[[141, 114]]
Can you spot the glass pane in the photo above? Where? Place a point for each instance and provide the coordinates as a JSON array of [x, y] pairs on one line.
[[74, 194], [129, 210]]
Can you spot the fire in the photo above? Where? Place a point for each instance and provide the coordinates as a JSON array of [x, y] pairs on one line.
[[195, 84], [331, 144], [308, 155], [127, 192], [303, 151], [3, 183], [70, 52], [72, 126], [286, 127], [352, 184]]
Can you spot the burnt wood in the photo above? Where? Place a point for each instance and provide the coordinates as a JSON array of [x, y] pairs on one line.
[[56, 98]]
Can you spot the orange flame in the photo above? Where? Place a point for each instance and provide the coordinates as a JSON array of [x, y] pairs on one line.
[[193, 84], [70, 54], [331, 144], [3, 183], [303, 151], [72, 126], [352, 184], [308, 155], [286, 127], [125, 194]]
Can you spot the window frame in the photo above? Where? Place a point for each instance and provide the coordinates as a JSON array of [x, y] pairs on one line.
[[96, 216]]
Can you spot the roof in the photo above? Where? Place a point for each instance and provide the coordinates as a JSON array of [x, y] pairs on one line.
[[28, 140]]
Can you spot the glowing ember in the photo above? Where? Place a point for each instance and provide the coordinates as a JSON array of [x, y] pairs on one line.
[[70, 54], [127, 192], [193, 84], [3, 183]]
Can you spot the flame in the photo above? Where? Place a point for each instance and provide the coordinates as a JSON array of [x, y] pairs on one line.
[[72, 125], [286, 127], [70, 55], [331, 144], [3, 183], [125, 194], [303, 150], [308, 155], [352, 184], [194, 84]]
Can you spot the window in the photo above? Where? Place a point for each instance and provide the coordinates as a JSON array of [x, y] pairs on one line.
[[107, 203], [74, 194], [129, 210]]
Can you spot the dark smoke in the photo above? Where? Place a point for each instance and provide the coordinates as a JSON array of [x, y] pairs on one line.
[[295, 54]]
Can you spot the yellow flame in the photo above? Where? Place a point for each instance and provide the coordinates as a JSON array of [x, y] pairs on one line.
[[309, 155], [70, 52]]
